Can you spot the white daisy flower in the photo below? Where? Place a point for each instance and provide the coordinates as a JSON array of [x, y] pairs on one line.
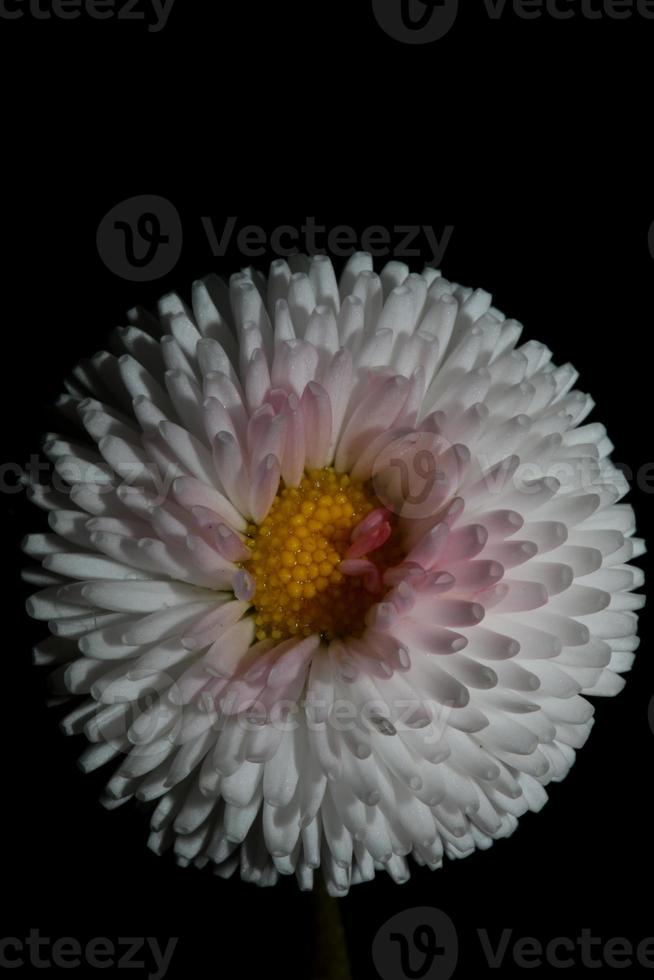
[[333, 567]]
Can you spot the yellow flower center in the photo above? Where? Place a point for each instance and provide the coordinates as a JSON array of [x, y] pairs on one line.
[[296, 551]]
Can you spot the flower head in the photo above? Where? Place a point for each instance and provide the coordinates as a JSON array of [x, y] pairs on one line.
[[333, 569]]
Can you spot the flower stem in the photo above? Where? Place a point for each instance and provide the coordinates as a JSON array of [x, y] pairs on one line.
[[330, 959]]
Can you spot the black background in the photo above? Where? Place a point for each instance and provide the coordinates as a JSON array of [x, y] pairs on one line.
[[529, 139]]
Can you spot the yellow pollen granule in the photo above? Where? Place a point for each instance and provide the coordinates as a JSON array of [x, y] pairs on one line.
[[296, 551]]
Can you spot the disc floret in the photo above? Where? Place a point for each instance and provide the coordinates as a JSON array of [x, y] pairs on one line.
[[296, 552]]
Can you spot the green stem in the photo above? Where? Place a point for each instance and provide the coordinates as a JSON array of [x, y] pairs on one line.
[[330, 959]]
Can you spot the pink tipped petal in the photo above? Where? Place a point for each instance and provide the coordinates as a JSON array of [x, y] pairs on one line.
[[257, 380], [433, 639], [501, 523], [356, 567], [212, 624], [230, 648], [403, 598], [191, 493], [288, 667], [271, 442], [464, 543], [453, 612], [381, 616], [230, 468], [265, 482], [370, 522], [493, 595], [317, 417], [521, 596], [230, 545], [453, 511], [427, 551], [377, 411], [405, 572], [244, 585], [224, 539], [475, 575], [370, 540], [294, 459], [435, 583]]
